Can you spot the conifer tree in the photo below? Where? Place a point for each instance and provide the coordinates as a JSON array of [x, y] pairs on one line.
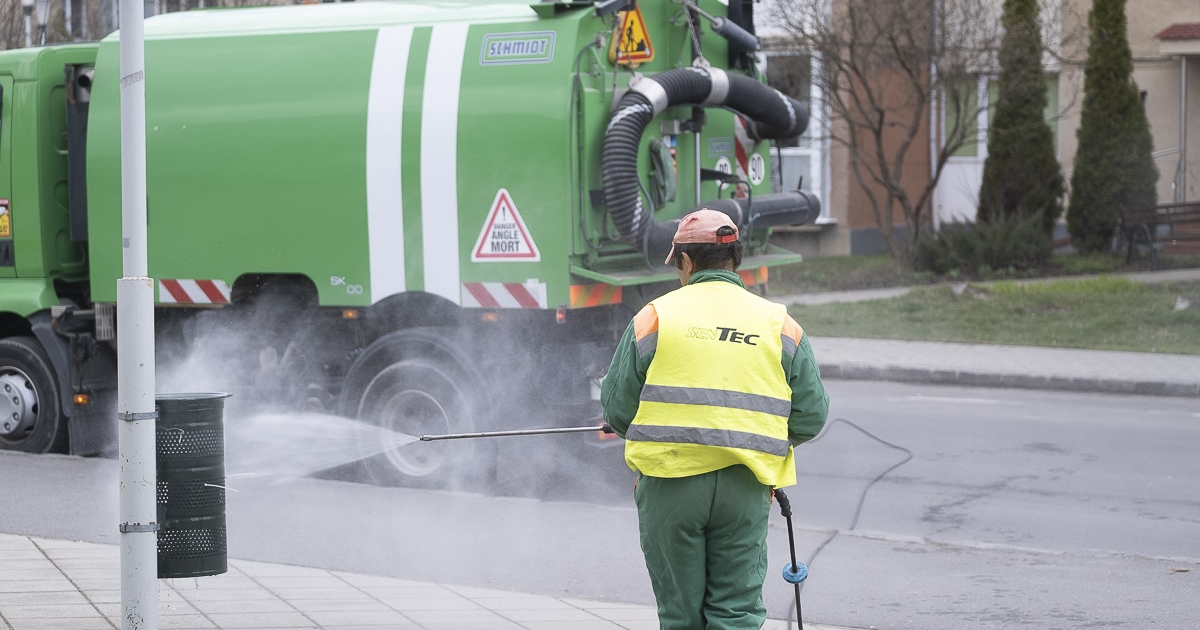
[[1021, 175], [1113, 163]]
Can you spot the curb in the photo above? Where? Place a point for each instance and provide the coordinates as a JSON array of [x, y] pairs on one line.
[[863, 372]]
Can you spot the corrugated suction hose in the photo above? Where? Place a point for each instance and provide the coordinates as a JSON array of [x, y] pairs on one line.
[[770, 114]]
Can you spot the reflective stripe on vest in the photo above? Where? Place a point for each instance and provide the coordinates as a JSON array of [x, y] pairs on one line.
[[715, 392], [709, 437], [716, 398]]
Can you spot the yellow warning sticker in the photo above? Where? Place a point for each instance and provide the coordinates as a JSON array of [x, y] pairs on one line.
[[5, 220], [631, 41]]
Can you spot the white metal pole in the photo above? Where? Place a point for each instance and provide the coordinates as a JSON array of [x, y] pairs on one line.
[[935, 130], [27, 7], [135, 338], [1181, 172]]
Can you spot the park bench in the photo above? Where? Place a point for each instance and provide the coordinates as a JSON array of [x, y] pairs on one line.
[[1173, 228]]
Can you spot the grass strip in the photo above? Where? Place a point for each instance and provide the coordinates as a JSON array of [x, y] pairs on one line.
[[843, 273], [1106, 313]]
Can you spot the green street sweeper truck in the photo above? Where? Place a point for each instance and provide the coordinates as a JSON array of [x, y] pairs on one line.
[[432, 215]]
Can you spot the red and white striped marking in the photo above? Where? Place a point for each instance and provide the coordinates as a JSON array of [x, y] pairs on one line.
[[504, 295], [193, 292], [743, 146]]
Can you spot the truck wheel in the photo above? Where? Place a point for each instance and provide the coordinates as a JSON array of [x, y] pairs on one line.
[[30, 412], [408, 399]]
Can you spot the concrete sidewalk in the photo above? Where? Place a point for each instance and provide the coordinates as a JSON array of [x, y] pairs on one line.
[[981, 365], [55, 584]]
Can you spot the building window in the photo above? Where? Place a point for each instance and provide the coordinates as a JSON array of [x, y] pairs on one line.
[[791, 73], [963, 102], [800, 163]]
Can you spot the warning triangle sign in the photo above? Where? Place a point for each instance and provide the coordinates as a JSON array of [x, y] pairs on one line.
[[631, 41], [504, 235]]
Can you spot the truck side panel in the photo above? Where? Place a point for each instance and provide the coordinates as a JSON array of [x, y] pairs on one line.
[[255, 158], [368, 160]]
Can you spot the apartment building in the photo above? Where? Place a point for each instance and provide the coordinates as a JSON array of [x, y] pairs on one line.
[[1164, 37]]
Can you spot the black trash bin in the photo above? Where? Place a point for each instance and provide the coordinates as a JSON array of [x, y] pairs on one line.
[[190, 445]]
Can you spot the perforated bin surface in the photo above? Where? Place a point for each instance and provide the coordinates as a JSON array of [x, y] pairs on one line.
[[201, 494], [190, 443], [206, 541]]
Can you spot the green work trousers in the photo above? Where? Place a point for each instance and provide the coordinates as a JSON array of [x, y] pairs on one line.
[[705, 542]]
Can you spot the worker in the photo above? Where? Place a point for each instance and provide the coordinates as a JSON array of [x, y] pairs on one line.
[[711, 386]]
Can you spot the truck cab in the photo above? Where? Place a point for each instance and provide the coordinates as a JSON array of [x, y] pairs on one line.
[[43, 253]]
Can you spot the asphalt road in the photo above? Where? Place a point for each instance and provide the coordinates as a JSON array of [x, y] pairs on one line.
[[1016, 508]]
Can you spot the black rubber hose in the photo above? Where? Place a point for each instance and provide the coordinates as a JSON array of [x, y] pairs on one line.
[[793, 207], [684, 86], [618, 163], [772, 116]]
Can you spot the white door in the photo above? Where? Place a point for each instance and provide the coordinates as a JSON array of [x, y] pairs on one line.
[[956, 198]]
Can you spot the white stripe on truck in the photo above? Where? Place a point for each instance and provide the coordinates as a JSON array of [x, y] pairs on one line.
[[439, 161], [385, 205]]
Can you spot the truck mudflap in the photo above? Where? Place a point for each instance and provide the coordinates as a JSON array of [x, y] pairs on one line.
[[770, 115]]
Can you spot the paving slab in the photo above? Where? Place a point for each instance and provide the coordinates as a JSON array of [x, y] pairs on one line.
[[258, 595]]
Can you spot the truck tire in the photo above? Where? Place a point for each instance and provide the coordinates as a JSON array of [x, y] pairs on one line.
[[408, 399], [30, 412]]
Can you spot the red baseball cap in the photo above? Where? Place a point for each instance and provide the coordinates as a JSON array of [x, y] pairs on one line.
[[701, 227]]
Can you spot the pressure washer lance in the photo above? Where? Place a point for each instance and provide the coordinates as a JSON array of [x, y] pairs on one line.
[[604, 428], [796, 572]]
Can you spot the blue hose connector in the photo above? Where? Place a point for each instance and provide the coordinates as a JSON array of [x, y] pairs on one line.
[[795, 573]]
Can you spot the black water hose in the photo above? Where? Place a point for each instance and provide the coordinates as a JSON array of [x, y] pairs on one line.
[[796, 572], [771, 116]]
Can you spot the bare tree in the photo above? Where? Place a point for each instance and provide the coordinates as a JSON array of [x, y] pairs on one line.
[[90, 20], [12, 24], [883, 67]]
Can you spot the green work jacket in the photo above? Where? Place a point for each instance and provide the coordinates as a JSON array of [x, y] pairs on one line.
[[622, 387]]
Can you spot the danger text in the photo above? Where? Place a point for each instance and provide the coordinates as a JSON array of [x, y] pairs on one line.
[[505, 237]]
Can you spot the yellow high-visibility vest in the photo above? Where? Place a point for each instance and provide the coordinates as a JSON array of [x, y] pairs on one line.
[[715, 392]]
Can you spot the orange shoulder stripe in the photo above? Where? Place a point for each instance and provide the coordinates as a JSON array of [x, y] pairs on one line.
[[792, 329], [645, 322]]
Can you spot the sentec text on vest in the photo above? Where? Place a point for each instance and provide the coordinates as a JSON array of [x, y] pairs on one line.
[[721, 334]]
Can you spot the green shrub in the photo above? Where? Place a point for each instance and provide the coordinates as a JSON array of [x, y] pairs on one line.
[[1011, 244], [1114, 167], [1021, 173]]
